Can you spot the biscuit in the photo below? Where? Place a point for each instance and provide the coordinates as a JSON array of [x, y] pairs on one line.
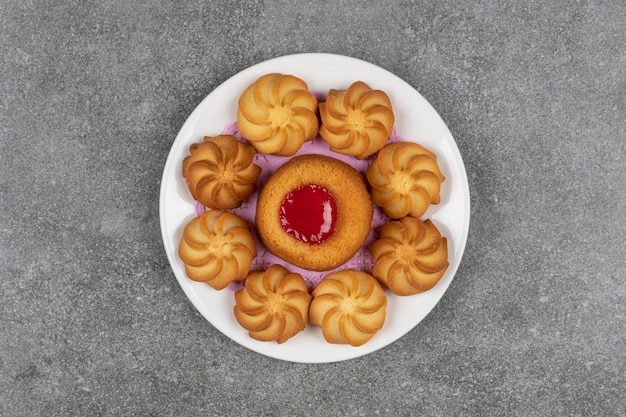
[[220, 173], [273, 305], [314, 212], [350, 306], [410, 256], [357, 121], [277, 114], [217, 248], [405, 179]]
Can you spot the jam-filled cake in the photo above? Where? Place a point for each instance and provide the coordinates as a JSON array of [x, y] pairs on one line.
[[405, 179], [314, 212]]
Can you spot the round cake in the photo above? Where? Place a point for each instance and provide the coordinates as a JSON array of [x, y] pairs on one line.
[[314, 212]]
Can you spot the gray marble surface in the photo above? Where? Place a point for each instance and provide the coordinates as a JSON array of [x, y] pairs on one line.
[[92, 319]]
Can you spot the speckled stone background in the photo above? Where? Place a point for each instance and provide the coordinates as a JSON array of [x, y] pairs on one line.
[[93, 321]]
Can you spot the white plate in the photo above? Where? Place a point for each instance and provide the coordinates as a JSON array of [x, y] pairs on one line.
[[415, 120]]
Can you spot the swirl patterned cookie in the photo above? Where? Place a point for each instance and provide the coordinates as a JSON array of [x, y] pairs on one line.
[[410, 256], [350, 307], [220, 173], [274, 304], [277, 114], [357, 121], [405, 179], [217, 248]]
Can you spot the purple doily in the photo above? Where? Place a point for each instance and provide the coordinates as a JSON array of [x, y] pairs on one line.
[[361, 261]]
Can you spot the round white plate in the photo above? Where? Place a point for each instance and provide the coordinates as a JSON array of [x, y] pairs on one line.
[[416, 120]]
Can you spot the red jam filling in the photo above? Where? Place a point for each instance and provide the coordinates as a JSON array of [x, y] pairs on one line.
[[308, 213]]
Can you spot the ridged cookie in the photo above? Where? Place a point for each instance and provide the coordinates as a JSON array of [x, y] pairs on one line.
[[217, 248], [410, 256], [350, 307], [357, 121], [277, 114], [220, 173], [273, 305], [405, 179]]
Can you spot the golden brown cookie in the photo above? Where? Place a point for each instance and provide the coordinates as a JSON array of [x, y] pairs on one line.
[[217, 248], [357, 121], [220, 173], [350, 307], [273, 305], [277, 114], [314, 212], [405, 179], [410, 256]]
